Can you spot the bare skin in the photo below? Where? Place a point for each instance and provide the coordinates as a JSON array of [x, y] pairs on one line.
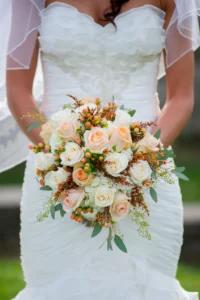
[[180, 78]]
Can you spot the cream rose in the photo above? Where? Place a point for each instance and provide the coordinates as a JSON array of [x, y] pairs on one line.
[[86, 100], [117, 163], [140, 171], [61, 116], [67, 130], [80, 177], [96, 140], [121, 138], [47, 130], [55, 141], [122, 117], [53, 178], [120, 207], [73, 199], [148, 143], [43, 161], [104, 196], [72, 154]]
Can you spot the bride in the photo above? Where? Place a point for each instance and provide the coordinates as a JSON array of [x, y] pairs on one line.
[[98, 48]]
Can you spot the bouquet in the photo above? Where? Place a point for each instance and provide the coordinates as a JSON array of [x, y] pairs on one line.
[[98, 162]]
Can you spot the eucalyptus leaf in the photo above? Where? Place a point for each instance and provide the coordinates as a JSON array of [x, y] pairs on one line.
[[180, 175], [122, 107], [62, 212], [46, 188], [34, 125], [35, 109], [153, 194], [132, 112], [58, 207], [109, 240], [179, 169], [154, 175], [52, 211], [119, 243], [97, 229], [167, 154], [157, 134]]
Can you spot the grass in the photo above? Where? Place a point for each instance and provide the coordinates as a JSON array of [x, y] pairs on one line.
[[11, 279]]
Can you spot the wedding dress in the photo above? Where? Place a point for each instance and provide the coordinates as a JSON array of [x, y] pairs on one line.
[[60, 259]]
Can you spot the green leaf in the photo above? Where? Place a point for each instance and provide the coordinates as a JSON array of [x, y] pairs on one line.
[[46, 188], [35, 109], [157, 134], [34, 125], [97, 229], [62, 212], [122, 107], [167, 154], [153, 194], [180, 175], [179, 169], [132, 112], [109, 240], [154, 175], [114, 148], [135, 151], [120, 244], [58, 207], [52, 211]]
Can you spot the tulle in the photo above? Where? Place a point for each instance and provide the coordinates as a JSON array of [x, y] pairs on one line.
[[19, 23]]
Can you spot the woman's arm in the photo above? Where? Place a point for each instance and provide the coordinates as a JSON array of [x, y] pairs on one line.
[[20, 98], [180, 94]]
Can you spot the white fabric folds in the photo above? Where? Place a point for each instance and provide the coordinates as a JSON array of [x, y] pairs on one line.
[[19, 23]]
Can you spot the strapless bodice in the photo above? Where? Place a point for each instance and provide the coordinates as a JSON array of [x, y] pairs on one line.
[[82, 58]]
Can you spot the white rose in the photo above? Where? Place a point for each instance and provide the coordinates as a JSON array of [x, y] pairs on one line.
[[43, 161], [47, 130], [117, 163], [61, 115], [85, 106], [72, 155], [148, 143], [140, 171], [55, 141], [54, 178], [110, 127], [104, 196], [122, 117]]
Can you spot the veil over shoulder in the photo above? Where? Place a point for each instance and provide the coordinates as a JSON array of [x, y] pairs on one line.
[[19, 22]]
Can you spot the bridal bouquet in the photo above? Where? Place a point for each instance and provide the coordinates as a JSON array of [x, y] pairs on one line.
[[98, 162]]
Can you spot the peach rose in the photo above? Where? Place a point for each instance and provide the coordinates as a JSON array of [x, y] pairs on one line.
[[80, 177], [96, 140], [73, 199], [86, 100], [67, 130], [120, 207], [121, 138], [46, 132], [148, 143]]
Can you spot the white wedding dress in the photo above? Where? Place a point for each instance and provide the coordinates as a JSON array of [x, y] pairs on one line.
[[59, 258]]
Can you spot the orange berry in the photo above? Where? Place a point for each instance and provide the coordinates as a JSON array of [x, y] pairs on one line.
[[136, 130], [101, 158], [79, 219], [72, 217], [83, 160], [87, 154], [31, 147], [88, 124], [86, 169], [46, 148], [78, 141], [40, 145], [60, 147]]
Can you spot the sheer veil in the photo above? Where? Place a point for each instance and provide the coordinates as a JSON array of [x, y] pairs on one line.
[[19, 22]]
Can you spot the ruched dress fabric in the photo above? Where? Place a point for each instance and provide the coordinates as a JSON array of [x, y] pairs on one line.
[[60, 259]]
